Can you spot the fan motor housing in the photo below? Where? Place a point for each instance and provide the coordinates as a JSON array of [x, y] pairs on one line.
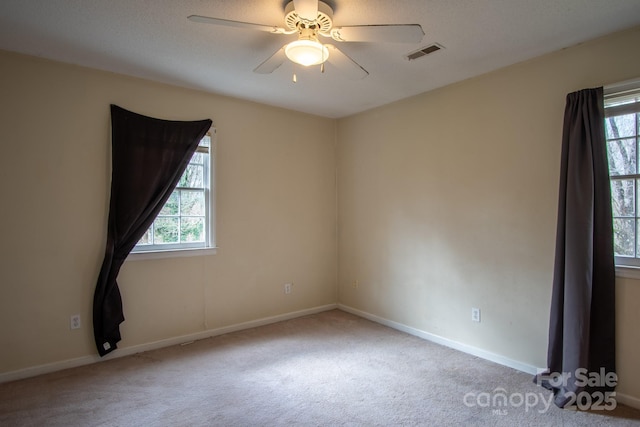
[[323, 22]]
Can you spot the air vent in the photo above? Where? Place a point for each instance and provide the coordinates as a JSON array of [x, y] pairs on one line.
[[424, 51]]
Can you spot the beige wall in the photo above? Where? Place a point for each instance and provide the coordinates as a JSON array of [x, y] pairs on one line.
[[628, 337], [448, 201], [276, 220]]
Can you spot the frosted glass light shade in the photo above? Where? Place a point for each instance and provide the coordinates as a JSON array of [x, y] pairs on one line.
[[306, 52]]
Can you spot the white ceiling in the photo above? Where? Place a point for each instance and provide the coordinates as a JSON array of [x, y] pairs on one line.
[[153, 39]]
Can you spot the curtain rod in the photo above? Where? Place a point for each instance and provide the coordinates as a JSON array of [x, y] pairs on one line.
[[621, 86]]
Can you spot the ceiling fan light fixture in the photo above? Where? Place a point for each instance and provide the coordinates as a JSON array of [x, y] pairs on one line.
[[307, 52]]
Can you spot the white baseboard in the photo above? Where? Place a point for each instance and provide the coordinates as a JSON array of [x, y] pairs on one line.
[[478, 352], [622, 398], [127, 351], [625, 399]]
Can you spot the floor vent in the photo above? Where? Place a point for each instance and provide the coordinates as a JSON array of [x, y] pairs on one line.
[[424, 51]]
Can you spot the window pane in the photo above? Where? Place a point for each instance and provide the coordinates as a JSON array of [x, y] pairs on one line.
[[622, 197], [620, 126], [192, 230], [165, 230], [192, 177], [182, 219], [146, 238], [623, 237], [192, 203], [171, 207], [197, 158], [622, 156]]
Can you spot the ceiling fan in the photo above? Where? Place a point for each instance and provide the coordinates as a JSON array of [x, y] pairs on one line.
[[310, 19]]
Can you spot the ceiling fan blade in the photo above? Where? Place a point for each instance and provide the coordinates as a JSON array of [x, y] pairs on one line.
[[306, 9], [409, 33], [238, 24], [346, 65], [271, 64]]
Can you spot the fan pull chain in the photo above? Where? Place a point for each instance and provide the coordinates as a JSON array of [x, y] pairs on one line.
[[322, 68], [295, 73]]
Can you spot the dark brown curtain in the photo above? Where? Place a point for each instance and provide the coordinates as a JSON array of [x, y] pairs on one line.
[[582, 322], [148, 158]]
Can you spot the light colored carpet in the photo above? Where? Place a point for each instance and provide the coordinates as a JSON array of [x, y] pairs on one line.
[[329, 369]]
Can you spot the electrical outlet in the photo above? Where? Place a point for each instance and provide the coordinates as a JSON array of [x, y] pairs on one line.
[[475, 314], [355, 284], [287, 288], [75, 322]]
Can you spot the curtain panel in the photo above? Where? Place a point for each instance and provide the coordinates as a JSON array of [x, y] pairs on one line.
[[581, 351], [149, 156]]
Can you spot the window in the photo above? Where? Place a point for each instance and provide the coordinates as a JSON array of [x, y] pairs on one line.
[[622, 124], [185, 221]]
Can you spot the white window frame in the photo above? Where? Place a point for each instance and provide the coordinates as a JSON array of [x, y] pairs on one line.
[[208, 247], [627, 266]]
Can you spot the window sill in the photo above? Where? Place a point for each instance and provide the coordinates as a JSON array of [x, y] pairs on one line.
[[628, 272], [173, 253]]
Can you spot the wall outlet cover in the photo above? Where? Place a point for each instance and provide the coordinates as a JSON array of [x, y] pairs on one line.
[[75, 322], [475, 314]]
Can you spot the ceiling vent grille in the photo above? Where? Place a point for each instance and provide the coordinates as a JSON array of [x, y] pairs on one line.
[[424, 51]]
